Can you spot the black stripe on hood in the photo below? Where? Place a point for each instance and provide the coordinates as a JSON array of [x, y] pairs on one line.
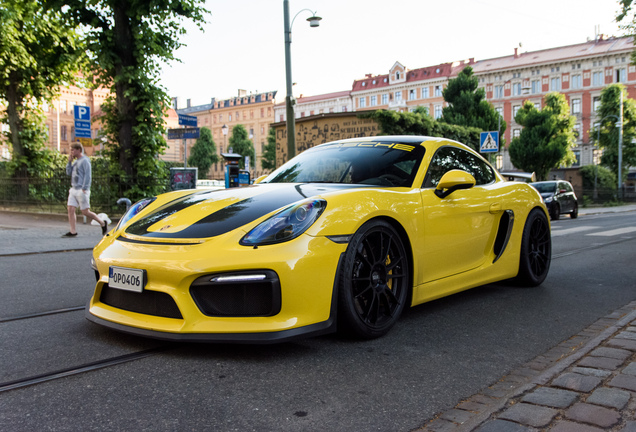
[[232, 216]]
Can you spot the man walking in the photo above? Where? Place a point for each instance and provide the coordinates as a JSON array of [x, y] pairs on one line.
[[79, 193]]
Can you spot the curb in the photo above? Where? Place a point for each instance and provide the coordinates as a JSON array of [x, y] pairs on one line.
[[486, 406]]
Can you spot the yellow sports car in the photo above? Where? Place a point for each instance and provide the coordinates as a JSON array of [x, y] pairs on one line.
[[344, 236]]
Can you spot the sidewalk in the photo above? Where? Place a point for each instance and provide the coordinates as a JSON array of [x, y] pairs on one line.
[[22, 233]]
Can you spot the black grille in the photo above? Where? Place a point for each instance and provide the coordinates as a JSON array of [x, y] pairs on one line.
[[215, 297], [147, 302]]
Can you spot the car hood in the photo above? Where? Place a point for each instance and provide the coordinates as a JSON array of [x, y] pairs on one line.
[[211, 213]]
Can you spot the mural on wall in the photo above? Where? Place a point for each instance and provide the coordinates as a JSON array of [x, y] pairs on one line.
[[318, 130]]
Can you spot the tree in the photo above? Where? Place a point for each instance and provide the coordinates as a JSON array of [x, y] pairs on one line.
[[241, 144], [268, 161], [627, 18], [467, 104], [203, 153], [38, 52], [419, 122], [547, 137], [127, 40], [609, 113]]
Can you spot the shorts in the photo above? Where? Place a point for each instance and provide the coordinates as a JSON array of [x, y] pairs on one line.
[[79, 198]]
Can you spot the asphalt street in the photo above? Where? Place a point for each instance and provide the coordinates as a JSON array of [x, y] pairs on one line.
[[438, 355]]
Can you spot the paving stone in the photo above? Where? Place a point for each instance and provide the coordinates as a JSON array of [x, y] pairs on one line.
[[531, 415], [480, 398], [601, 362], [593, 372], [457, 416], [502, 426], [567, 426], [623, 343], [474, 407], [592, 414], [627, 382], [551, 397], [609, 397], [630, 369], [578, 382], [630, 426], [616, 353], [439, 425], [626, 335]]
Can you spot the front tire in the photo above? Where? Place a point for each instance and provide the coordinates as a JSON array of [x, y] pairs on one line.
[[536, 250], [575, 212], [556, 212], [374, 283]]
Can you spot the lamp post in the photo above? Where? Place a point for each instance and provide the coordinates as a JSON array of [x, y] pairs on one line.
[[224, 130], [314, 21]]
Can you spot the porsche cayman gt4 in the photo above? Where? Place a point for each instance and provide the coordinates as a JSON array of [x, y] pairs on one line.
[[344, 236]]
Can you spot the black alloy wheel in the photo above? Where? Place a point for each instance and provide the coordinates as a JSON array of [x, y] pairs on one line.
[[374, 285], [556, 212], [575, 211], [536, 250]]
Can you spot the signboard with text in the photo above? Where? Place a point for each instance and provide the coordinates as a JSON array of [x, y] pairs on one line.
[[82, 117]]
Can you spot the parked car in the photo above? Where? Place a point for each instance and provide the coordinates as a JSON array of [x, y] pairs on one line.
[[345, 235], [559, 197]]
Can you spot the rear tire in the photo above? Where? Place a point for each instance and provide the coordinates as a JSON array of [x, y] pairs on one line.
[[575, 212], [374, 286], [536, 250]]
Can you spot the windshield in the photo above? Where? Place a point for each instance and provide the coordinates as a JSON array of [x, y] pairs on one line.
[[376, 163], [548, 187]]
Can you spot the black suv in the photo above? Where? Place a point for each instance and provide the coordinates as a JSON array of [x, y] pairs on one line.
[[559, 197]]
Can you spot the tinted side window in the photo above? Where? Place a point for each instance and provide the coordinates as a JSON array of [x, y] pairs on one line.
[[450, 158]]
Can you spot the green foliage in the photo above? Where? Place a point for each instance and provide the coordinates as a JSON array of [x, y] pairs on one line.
[[268, 161], [127, 41], [467, 104], [419, 122], [609, 113], [203, 154], [39, 51], [604, 178], [241, 144], [547, 137]]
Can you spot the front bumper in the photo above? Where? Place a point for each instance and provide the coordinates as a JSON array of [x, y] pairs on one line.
[[306, 268]]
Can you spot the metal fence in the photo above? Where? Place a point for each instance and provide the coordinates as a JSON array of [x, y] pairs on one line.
[[50, 194]]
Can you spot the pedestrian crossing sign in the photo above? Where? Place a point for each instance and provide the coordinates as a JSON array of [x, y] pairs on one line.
[[489, 142]]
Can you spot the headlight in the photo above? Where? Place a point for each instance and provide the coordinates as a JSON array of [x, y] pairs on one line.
[[134, 210], [549, 199], [286, 224]]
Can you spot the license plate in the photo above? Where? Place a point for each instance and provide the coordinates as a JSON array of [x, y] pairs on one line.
[[127, 279]]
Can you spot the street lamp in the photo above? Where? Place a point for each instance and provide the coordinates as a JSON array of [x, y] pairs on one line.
[[224, 130], [314, 21]]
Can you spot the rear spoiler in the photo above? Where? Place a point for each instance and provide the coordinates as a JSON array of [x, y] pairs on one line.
[[511, 176]]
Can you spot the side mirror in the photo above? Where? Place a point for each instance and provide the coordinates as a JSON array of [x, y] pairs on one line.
[[260, 179], [454, 180]]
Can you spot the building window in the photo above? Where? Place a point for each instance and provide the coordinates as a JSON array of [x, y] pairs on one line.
[[516, 133], [374, 100], [516, 89], [596, 103], [363, 102], [577, 131], [555, 84], [499, 111], [398, 96], [515, 110], [63, 133], [412, 94], [537, 105], [438, 112], [425, 93], [63, 107], [499, 92], [576, 81], [597, 78], [535, 87], [576, 106], [621, 75], [385, 99], [438, 91]]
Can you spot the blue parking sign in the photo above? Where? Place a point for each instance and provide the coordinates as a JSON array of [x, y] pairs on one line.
[[82, 116]]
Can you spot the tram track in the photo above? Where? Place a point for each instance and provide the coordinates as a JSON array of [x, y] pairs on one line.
[[80, 369]]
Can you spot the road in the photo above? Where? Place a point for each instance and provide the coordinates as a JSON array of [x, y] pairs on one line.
[[439, 353]]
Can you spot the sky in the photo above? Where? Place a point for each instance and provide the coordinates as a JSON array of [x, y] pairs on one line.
[[242, 45]]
